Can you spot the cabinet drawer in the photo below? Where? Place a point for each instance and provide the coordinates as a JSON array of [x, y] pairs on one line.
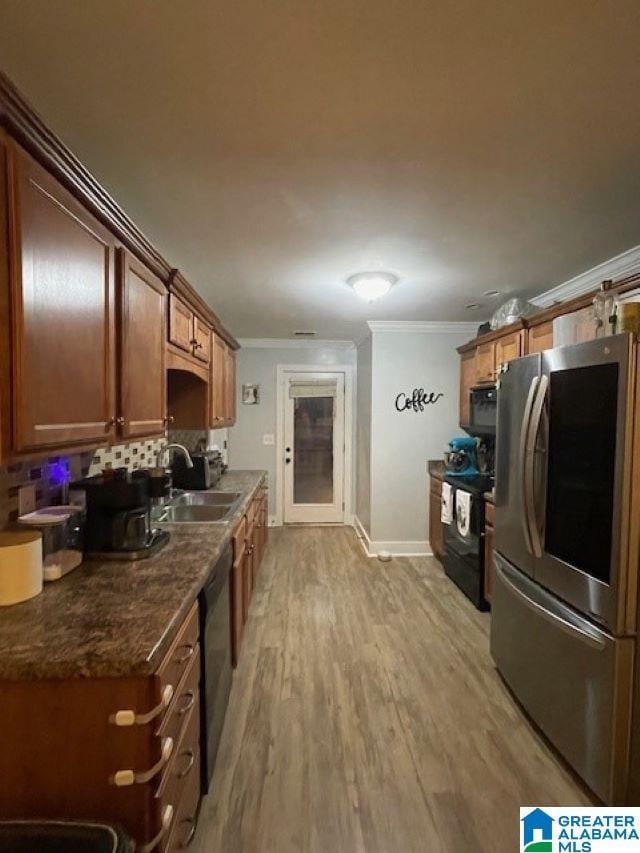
[[186, 814], [181, 653], [186, 697], [183, 766]]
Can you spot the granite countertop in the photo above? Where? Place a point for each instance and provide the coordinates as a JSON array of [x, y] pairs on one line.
[[117, 618]]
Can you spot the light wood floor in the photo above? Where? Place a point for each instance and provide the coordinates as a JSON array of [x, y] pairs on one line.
[[366, 715]]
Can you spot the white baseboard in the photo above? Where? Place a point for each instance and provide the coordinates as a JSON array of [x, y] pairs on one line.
[[396, 548]]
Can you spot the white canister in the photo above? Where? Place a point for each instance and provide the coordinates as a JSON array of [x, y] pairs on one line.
[[20, 565]]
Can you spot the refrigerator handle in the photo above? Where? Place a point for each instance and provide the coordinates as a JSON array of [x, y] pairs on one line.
[[537, 409], [524, 435], [562, 619]]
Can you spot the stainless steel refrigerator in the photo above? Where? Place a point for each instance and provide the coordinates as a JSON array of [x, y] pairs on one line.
[[564, 607]]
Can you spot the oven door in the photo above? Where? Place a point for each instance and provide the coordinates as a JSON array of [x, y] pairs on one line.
[[577, 470]]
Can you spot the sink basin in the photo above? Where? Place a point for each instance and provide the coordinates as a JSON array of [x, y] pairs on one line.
[[195, 514], [206, 499]]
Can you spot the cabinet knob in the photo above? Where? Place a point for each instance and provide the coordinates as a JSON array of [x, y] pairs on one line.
[[168, 419], [120, 421]]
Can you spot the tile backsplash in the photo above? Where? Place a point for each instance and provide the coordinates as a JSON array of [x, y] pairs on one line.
[[48, 475]]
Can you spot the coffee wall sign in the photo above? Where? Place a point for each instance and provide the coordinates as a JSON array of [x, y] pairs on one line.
[[418, 400]]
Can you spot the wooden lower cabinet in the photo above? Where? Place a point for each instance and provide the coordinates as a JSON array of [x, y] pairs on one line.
[[249, 543], [488, 551], [435, 524], [121, 750]]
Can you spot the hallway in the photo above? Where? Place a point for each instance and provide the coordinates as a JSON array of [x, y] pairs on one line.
[[367, 716]]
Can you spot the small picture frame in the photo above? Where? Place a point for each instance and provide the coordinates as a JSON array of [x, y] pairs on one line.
[[251, 394]]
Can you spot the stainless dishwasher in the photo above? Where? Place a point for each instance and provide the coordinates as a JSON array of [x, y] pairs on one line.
[[215, 647]]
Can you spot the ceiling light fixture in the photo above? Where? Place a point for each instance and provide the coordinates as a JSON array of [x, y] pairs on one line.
[[372, 285]]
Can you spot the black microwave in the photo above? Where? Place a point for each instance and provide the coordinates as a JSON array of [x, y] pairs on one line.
[[483, 406]]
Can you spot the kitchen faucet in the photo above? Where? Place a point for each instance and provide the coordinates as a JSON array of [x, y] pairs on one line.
[[174, 446]]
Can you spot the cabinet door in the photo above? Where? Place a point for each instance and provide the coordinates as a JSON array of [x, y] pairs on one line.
[[63, 308], [237, 604], [540, 338], [486, 362], [230, 386], [506, 349], [247, 573], [218, 381], [435, 524], [142, 315], [488, 561], [201, 340], [467, 381], [180, 324]]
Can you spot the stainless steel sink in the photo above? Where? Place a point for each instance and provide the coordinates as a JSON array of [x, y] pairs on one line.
[[194, 514], [199, 508], [206, 499]]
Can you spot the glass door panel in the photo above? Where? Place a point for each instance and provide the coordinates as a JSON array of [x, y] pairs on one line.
[[583, 406], [313, 450]]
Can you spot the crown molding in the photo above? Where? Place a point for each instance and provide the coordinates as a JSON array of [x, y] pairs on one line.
[[288, 343], [617, 267], [423, 327]]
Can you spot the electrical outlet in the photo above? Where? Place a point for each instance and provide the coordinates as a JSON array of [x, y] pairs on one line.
[[26, 499], [268, 439]]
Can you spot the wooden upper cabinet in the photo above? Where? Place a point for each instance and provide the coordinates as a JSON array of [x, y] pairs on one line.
[[218, 383], [507, 348], [142, 315], [540, 337], [467, 381], [201, 340], [486, 363], [180, 323], [230, 386], [62, 315]]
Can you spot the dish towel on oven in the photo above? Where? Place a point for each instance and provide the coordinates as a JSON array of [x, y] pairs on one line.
[[446, 504], [463, 511]]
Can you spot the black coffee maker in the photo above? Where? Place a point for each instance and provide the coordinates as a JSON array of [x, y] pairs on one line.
[[118, 524]]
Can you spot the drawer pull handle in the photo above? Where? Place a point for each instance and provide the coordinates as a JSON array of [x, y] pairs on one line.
[[189, 650], [125, 778], [130, 718], [190, 755], [167, 818], [186, 841], [190, 696]]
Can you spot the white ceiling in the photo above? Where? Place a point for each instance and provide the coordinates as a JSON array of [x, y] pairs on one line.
[[270, 148]]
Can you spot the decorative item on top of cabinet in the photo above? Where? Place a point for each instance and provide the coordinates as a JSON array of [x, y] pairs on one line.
[[62, 313], [141, 339], [488, 550], [540, 337], [126, 748], [436, 539]]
